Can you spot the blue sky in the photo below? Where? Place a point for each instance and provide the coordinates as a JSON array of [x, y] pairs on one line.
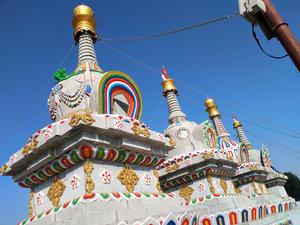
[[221, 60]]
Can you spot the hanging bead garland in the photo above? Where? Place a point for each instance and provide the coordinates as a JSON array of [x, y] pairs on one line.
[[73, 100]]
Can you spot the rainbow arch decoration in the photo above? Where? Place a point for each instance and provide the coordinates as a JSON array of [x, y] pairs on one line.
[[114, 83]]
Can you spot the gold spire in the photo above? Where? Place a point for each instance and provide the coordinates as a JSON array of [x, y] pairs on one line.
[[211, 108], [236, 123], [84, 21], [168, 85]]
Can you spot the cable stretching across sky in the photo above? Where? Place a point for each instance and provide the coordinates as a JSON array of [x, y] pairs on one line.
[[292, 134], [161, 34]]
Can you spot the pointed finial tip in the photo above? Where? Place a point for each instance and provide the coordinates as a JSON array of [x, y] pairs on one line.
[[168, 83], [164, 74], [233, 116]]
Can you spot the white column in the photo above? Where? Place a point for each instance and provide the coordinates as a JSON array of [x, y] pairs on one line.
[[174, 107], [86, 50], [219, 126]]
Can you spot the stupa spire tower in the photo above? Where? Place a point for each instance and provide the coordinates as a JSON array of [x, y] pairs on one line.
[[85, 35], [170, 92], [215, 116], [241, 133]]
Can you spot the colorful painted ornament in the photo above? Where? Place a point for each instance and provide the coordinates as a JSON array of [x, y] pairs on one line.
[[75, 182], [147, 179], [118, 124], [81, 78], [247, 189], [88, 89], [13, 158], [48, 132], [188, 161], [201, 187], [40, 198], [106, 177], [217, 183], [160, 137]]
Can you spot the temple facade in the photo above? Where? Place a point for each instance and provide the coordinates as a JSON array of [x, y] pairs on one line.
[[97, 163]]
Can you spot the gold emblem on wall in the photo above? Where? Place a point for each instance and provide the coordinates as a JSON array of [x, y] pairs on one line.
[[171, 168], [237, 190], [30, 207], [211, 185], [172, 143], [156, 174], [137, 130], [254, 187], [56, 191], [128, 178], [89, 183], [261, 188], [85, 118], [223, 185], [3, 169], [229, 157], [207, 155], [146, 132], [253, 167], [30, 146], [186, 193]]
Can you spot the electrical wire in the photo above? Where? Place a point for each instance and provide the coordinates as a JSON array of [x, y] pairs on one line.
[[291, 133], [260, 46], [277, 144], [287, 149], [12, 129], [177, 30], [272, 130], [145, 37], [130, 57], [266, 128], [292, 152]]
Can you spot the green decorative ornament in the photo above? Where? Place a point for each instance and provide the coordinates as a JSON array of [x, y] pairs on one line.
[[61, 74], [104, 195]]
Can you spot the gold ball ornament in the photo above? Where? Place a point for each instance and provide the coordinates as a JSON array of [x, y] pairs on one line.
[[211, 107]]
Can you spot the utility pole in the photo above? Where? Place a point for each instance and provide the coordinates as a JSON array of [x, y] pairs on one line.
[[264, 13], [283, 33]]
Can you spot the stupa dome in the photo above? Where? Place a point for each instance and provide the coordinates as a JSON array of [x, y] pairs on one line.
[[88, 88], [91, 90]]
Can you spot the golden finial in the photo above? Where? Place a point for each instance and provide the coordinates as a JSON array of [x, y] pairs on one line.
[[84, 21], [168, 83], [236, 123], [211, 108]]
